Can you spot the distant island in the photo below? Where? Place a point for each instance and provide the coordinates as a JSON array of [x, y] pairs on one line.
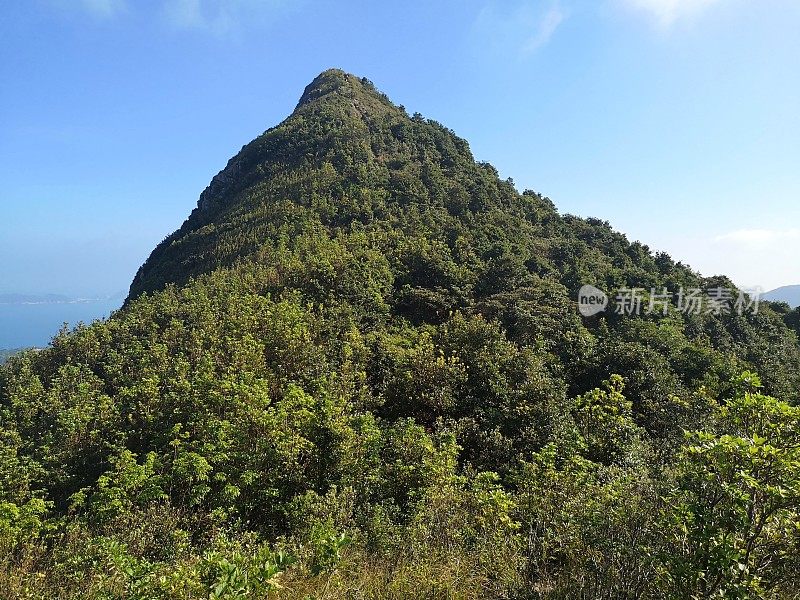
[[33, 298], [788, 293], [17, 298]]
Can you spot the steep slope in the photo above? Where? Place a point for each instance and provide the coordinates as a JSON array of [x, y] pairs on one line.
[[359, 367]]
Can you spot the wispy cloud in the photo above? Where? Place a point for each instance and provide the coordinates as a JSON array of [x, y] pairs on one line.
[[191, 14], [526, 25], [759, 236], [668, 12], [545, 29], [218, 17], [97, 9], [105, 8]]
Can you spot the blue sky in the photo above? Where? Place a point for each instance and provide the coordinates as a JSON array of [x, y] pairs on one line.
[[676, 120]]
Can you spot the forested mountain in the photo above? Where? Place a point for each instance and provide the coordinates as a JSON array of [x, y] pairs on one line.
[[358, 370]]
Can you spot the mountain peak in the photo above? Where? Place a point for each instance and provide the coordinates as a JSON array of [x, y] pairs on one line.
[[333, 84], [328, 82], [345, 142]]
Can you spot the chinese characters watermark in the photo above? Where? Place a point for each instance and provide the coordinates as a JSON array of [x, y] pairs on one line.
[[638, 301]]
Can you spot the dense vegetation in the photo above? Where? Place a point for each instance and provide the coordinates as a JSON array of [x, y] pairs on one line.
[[357, 371]]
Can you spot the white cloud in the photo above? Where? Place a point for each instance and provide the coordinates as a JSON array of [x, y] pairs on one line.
[[218, 17], [526, 25], [758, 236], [668, 12]]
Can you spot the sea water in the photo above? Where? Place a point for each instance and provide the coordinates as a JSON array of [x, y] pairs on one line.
[[34, 325]]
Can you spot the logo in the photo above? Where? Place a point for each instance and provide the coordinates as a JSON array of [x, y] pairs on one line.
[[591, 300]]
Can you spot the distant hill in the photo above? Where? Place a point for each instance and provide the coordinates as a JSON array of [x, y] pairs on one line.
[[5, 353], [788, 293]]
